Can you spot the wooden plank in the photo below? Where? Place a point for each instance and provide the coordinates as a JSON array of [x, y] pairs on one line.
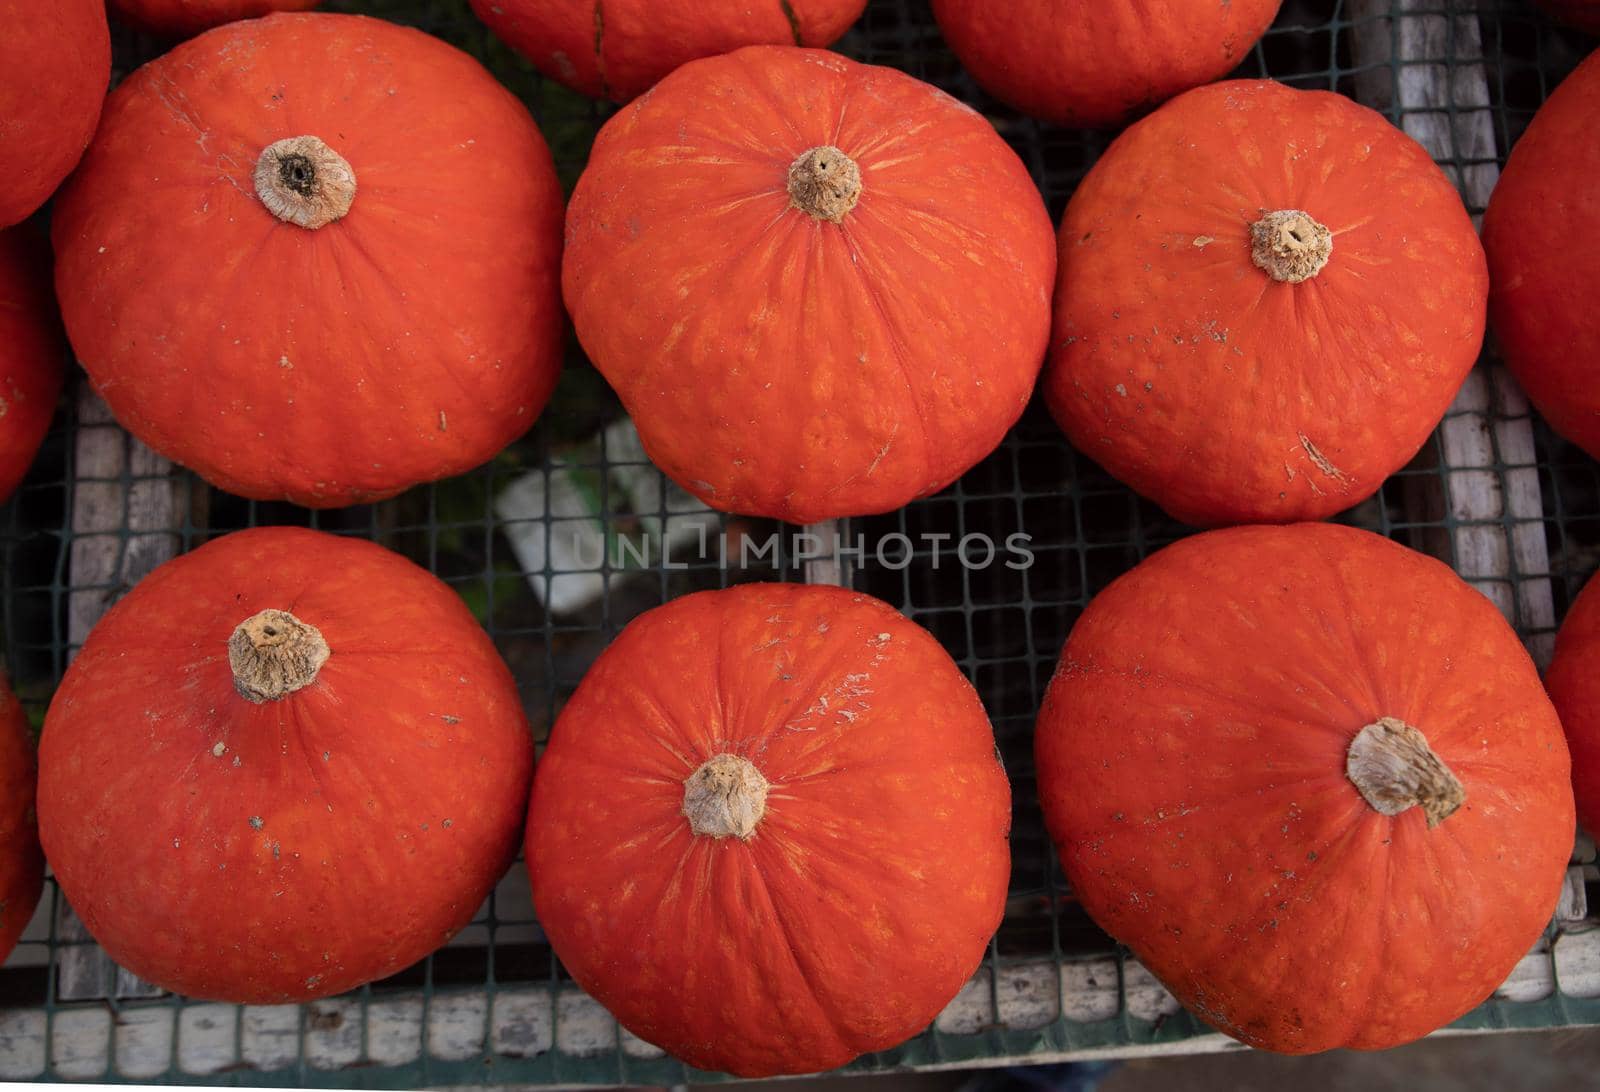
[[527, 1021], [1498, 540], [831, 567], [128, 505]]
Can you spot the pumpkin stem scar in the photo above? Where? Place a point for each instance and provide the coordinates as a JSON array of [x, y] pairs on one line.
[[1393, 767], [303, 181], [725, 797], [824, 183], [273, 653], [1290, 245]]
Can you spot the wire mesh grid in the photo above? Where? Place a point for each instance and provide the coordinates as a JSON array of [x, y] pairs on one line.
[[495, 1006]]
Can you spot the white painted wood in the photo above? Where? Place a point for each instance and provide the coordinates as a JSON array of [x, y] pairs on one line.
[[524, 1025], [831, 568], [1027, 994], [584, 1029], [1577, 962], [1089, 990], [525, 1022], [394, 1030], [80, 1043], [1445, 108], [208, 1035], [127, 506], [334, 1030], [972, 1009], [457, 1025], [269, 1036], [144, 1040], [22, 1044]]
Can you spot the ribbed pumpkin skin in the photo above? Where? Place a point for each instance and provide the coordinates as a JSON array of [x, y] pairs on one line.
[[869, 890], [1191, 760], [182, 18], [618, 49], [1542, 232], [410, 340], [1574, 684], [1582, 14], [1226, 396], [265, 853], [21, 860], [1094, 63], [781, 365], [32, 353], [55, 63]]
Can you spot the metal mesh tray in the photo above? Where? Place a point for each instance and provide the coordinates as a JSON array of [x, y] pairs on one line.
[[1494, 493]]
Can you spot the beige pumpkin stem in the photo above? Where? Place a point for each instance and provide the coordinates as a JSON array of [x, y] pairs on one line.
[[1393, 768], [824, 183], [303, 181], [726, 797], [1290, 245], [273, 653]]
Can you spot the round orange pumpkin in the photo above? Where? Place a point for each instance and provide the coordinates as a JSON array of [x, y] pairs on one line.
[[1582, 14], [779, 847], [820, 288], [21, 860], [1542, 232], [1267, 300], [181, 18], [1574, 684], [32, 354], [618, 49], [315, 257], [285, 765], [1311, 778], [55, 63], [1093, 63]]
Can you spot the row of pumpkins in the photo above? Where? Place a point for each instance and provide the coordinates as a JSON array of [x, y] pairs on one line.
[[1309, 776]]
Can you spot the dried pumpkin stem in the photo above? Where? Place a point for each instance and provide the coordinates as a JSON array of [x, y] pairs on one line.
[[824, 183], [725, 797], [1393, 767], [1290, 245], [303, 181], [273, 653]]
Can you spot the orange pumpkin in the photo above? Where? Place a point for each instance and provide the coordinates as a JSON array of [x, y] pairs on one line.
[[32, 355], [1094, 63], [1267, 299], [820, 288], [314, 257], [55, 63], [1574, 684], [780, 846], [286, 764], [21, 860], [182, 18], [1582, 14], [621, 48], [1542, 232], [1311, 779]]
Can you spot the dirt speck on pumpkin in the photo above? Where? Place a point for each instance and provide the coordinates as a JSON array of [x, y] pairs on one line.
[[219, 749], [1203, 241], [256, 822]]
